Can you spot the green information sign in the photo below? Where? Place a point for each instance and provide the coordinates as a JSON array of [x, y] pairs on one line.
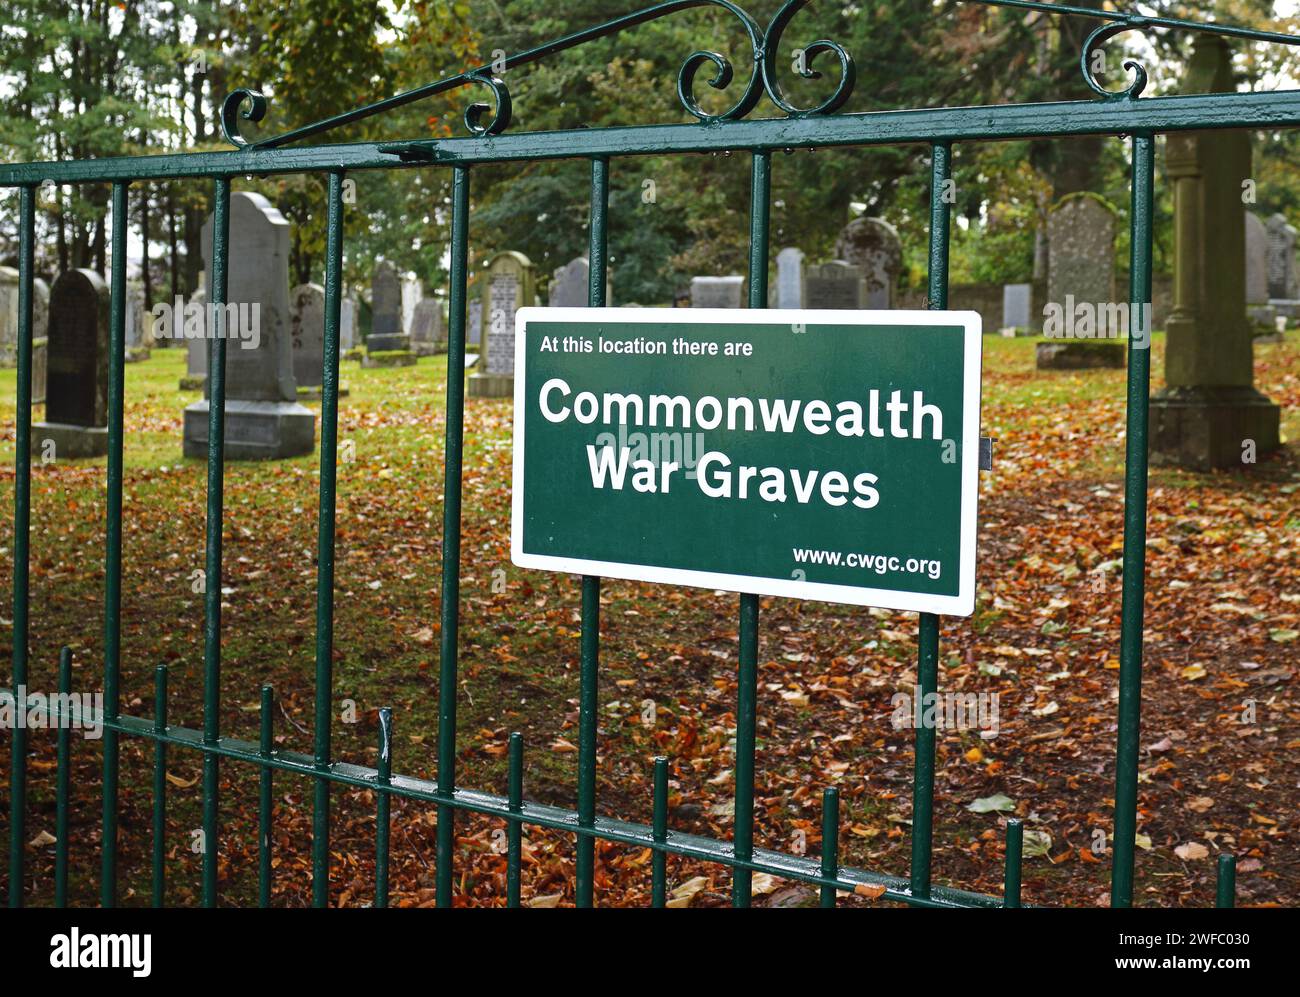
[[829, 455]]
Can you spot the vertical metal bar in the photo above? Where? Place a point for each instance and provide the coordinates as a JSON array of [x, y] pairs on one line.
[[383, 806], [588, 725], [747, 664], [928, 627], [64, 741], [1135, 524], [266, 742], [329, 423], [659, 828], [212, 561], [515, 829], [22, 536], [159, 787], [450, 609], [1226, 890], [1011, 874], [830, 842], [113, 547]]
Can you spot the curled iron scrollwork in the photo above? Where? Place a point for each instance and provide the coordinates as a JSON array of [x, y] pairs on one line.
[[764, 51]]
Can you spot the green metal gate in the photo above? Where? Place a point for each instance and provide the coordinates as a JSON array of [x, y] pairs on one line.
[[1113, 114]]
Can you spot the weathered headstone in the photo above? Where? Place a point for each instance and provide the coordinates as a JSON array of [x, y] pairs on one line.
[[139, 325], [872, 245], [1282, 283], [385, 304], [263, 416], [570, 284], [507, 287], [833, 285], [412, 295], [1262, 315], [307, 333], [40, 338], [76, 406], [427, 337], [1209, 414], [717, 292], [8, 316], [347, 325], [474, 321], [196, 348], [789, 278], [1081, 302], [1017, 304]]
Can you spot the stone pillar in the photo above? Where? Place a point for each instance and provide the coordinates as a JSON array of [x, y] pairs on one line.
[[1209, 407]]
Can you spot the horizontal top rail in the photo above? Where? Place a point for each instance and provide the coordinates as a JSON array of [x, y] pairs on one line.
[[995, 122]]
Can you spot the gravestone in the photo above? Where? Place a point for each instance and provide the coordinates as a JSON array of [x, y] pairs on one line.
[[76, 406], [139, 325], [717, 292], [1282, 283], [412, 295], [1209, 407], [474, 320], [386, 307], [307, 333], [1261, 314], [264, 419], [789, 278], [427, 336], [8, 316], [40, 338], [833, 285], [347, 325], [507, 286], [872, 245], [196, 348], [570, 285], [1081, 286], [1017, 303]]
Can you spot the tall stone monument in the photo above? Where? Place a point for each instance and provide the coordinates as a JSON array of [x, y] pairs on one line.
[[873, 245], [1209, 414], [76, 407], [507, 286], [264, 419]]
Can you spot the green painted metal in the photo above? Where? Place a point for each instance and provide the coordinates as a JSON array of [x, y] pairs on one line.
[[450, 609], [659, 834], [928, 625], [266, 744], [212, 559], [329, 428], [589, 658], [1116, 113], [1011, 873], [61, 788], [514, 828], [830, 842], [113, 546], [1226, 886], [158, 894], [1135, 526], [22, 536], [383, 805]]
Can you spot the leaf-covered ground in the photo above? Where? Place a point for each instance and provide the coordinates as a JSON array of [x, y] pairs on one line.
[[1220, 731]]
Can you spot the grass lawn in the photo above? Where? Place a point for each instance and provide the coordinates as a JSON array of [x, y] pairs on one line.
[[1223, 595]]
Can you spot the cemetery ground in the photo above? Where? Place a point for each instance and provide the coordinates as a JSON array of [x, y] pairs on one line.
[[1222, 632]]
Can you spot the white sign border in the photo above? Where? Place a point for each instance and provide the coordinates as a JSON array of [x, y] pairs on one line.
[[961, 604]]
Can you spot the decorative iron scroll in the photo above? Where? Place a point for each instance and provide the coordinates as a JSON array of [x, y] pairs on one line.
[[484, 120]]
